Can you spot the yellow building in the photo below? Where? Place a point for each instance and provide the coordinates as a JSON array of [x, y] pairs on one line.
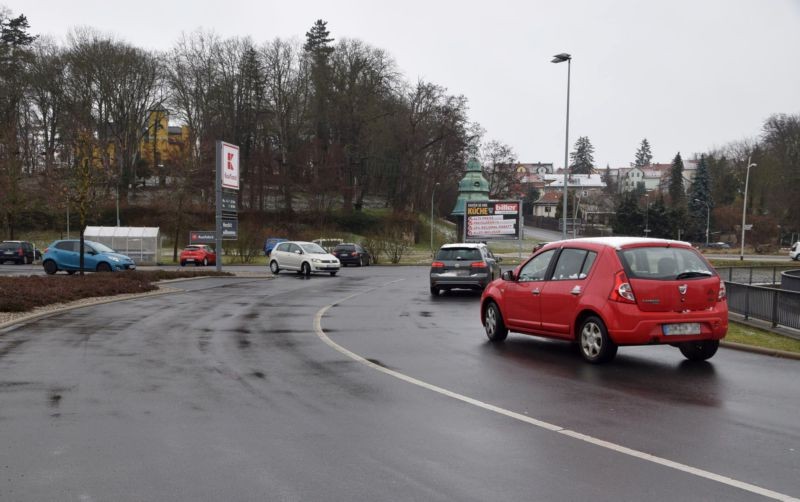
[[162, 144]]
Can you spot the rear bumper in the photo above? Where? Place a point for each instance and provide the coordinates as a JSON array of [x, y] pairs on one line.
[[474, 281], [627, 325]]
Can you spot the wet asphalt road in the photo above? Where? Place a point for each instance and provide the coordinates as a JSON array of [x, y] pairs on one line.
[[226, 391]]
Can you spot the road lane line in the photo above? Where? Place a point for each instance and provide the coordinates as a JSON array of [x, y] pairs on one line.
[[539, 423]]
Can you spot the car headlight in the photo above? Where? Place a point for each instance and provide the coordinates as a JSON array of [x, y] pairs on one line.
[[316, 260], [114, 258]]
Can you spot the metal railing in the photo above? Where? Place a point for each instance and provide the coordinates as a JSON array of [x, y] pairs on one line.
[[780, 307], [753, 275]]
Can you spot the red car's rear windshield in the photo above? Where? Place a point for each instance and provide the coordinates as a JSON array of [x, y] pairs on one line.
[[664, 263]]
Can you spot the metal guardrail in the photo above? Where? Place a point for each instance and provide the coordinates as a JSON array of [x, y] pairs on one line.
[[779, 306], [790, 280], [753, 275]]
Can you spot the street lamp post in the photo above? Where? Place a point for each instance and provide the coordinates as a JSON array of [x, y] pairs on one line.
[[708, 216], [744, 204], [560, 58], [432, 192], [647, 215]]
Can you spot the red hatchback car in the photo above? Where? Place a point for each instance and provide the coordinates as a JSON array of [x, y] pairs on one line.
[[610, 291], [198, 254]]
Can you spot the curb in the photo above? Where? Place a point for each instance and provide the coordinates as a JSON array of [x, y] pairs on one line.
[[761, 350], [72, 306], [162, 290]]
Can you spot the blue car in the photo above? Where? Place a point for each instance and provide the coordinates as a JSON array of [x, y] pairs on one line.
[[65, 255], [270, 243]]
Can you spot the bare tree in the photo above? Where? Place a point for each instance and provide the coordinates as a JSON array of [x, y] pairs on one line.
[[499, 163]]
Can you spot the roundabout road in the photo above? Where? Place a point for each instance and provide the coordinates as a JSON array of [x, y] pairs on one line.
[[363, 387]]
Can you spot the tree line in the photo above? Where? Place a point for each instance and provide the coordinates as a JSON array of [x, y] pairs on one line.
[[320, 123]]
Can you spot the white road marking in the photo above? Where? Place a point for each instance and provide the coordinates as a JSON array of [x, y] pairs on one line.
[[539, 423]]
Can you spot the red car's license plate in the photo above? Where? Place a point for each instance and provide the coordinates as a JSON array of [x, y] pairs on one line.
[[686, 328]]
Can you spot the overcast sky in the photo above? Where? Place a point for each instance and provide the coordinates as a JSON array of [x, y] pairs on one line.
[[688, 75]]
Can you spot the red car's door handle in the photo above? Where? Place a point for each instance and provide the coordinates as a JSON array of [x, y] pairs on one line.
[[576, 290], [535, 291]]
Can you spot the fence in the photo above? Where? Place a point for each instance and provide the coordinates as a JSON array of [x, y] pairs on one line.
[[774, 305]]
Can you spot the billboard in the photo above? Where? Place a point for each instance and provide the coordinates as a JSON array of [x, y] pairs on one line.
[[492, 220], [230, 166]]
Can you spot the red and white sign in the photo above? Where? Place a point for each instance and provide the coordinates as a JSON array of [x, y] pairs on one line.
[[230, 166], [506, 208]]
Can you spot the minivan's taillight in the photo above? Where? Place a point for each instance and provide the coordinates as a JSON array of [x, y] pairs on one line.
[[477, 264], [20, 252], [723, 293], [622, 292], [437, 264]]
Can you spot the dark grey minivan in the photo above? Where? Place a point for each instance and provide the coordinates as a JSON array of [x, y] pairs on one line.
[[465, 265]]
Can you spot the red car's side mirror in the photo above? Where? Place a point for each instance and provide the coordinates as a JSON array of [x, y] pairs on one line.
[[508, 275]]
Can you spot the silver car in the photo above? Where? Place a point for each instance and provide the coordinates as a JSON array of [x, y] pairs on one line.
[[302, 257], [464, 265]]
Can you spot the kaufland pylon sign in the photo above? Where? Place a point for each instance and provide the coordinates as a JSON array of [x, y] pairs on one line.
[[227, 178], [230, 171]]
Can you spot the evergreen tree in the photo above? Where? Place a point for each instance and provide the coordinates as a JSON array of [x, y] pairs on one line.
[[699, 201], [583, 156], [318, 47], [676, 194], [629, 219], [611, 183], [659, 220], [318, 41], [643, 154]]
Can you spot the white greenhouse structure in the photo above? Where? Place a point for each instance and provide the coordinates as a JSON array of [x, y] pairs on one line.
[[140, 243]]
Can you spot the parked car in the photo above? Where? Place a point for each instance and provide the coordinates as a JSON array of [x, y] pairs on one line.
[[350, 253], [302, 257], [65, 255], [270, 243], [719, 245], [328, 243], [611, 291], [19, 252], [463, 265], [198, 254], [794, 253]]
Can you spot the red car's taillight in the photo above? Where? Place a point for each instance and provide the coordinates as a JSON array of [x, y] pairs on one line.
[[723, 293], [478, 264], [437, 264], [622, 291]]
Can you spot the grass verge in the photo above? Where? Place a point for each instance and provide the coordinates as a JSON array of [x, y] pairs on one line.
[[748, 335]]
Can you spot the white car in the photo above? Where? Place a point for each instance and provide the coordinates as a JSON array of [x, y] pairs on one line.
[[794, 253], [302, 257]]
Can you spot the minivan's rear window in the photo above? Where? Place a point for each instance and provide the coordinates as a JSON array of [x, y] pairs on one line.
[[459, 254], [664, 263]]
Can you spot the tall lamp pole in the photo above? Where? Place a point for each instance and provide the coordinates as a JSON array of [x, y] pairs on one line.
[[708, 216], [432, 192], [744, 205], [560, 58], [647, 215]]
